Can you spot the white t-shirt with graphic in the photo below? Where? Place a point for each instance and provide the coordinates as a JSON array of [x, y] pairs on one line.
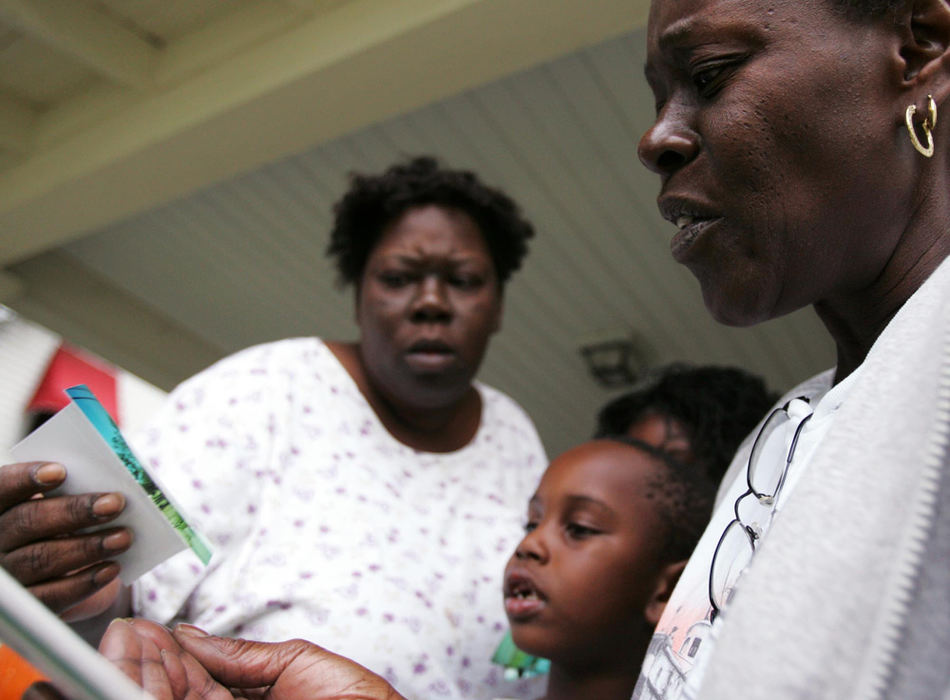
[[684, 638], [326, 528]]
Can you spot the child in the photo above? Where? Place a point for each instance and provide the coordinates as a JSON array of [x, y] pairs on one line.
[[680, 425], [609, 530], [697, 415]]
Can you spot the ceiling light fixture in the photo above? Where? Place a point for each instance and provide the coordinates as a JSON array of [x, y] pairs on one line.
[[613, 363]]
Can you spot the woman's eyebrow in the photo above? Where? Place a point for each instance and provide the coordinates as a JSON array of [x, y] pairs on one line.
[[675, 33], [670, 40], [681, 32], [409, 258]]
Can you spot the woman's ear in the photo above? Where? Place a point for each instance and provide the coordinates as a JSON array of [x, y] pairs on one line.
[[665, 584], [499, 312], [925, 48]]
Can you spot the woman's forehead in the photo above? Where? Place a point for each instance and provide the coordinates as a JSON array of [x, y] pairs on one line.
[[671, 19], [430, 229], [679, 29]]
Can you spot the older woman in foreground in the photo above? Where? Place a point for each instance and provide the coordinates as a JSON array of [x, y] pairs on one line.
[[803, 157]]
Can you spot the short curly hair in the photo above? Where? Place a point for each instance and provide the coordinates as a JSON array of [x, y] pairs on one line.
[[375, 201], [682, 495], [717, 406]]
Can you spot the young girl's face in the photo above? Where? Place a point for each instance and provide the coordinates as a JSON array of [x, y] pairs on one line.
[[578, 584]]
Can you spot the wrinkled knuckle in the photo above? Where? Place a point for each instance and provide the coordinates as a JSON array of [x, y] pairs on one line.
[[37, 558], [39, 562], [26, 519], [230, 643], [293, 648], [299, 645], [207, 686], [55, 597], [14, 476]]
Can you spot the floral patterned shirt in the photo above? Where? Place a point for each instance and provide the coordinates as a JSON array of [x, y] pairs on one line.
[[326, 528]]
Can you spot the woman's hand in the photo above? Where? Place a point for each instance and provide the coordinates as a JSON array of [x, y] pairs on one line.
[[70, 573], [189, 663]]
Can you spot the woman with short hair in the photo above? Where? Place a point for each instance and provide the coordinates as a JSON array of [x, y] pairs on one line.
[[363, 495]]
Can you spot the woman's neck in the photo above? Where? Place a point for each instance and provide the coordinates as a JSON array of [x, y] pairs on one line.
[[429, 429], [855, 321]]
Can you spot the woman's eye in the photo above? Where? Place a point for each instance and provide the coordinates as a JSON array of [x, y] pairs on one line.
[[705, 79], [530, 526], [710, 77], [395, 279], [466, 281]]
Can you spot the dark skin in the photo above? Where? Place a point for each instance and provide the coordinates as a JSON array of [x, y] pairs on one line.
[[783, 157], [38, 545], [187, 663], [592, 560], [427, 304]]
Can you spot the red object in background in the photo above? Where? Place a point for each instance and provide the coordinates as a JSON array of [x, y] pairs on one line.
[[69, 367]]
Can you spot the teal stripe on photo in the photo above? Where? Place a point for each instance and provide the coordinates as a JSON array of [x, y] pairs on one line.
[[106, 427]]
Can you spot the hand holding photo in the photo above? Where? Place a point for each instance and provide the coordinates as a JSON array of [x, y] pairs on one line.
[[97, 458]]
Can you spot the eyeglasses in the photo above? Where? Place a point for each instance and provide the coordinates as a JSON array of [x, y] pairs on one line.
[[765, 476]]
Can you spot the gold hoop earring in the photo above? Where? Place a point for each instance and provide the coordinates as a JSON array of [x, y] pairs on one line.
[[929, 123]]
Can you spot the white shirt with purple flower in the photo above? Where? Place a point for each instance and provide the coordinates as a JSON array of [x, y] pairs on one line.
[[326, 528]]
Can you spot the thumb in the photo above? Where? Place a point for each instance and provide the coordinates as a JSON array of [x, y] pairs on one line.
[[239, 663], [290, 670]]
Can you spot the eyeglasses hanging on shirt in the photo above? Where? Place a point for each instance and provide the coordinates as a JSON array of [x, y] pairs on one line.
[[766, 473]]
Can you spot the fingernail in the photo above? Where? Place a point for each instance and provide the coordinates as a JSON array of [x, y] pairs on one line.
[[190, 630], [107, 505], [106, 574], [117, 540], [49, 474]]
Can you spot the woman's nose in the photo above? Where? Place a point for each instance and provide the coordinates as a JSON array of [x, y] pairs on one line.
[[669, 144], [432, 301]]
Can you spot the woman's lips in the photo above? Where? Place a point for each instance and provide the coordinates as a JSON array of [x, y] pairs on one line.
[[692, 218], [430, 355], [690, 229]]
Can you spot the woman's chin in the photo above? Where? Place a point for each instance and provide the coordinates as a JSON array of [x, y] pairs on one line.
[[739, 306]]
